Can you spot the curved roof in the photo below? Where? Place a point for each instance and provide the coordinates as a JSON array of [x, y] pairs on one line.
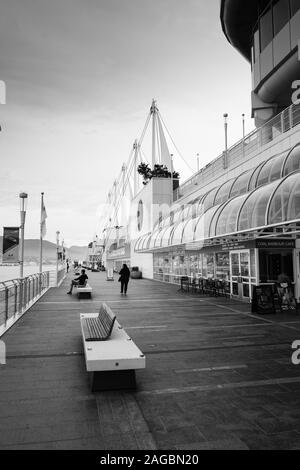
[[238, 19], [270, 204]]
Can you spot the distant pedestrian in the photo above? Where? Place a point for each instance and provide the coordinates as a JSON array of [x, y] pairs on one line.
[[78, 281], [124, 278], [68, 266]]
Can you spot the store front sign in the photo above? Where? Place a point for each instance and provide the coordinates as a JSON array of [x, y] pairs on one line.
[[119, 253], [281, 244]]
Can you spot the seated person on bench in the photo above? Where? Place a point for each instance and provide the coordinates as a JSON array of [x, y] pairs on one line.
[[79, 281]]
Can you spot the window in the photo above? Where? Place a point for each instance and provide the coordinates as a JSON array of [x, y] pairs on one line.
[[281, 15], [295, 6], [266, 29]]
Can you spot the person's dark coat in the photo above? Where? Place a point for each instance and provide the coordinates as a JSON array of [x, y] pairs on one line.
[[124, 274]]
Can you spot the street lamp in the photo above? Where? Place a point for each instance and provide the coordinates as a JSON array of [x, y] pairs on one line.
[[57, 253], [23, 205], [226, 140]]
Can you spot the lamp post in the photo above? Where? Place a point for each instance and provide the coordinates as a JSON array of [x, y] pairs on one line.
[[57, 253], [198, 163], [226, 140], [23, 203]]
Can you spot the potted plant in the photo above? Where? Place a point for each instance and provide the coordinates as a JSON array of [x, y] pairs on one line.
[[135, 273], [159, 171]]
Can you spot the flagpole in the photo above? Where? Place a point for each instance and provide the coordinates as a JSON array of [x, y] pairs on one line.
[[41, 234]]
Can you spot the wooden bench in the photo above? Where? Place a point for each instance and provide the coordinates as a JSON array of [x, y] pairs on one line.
[[85, 290], [110, 354]]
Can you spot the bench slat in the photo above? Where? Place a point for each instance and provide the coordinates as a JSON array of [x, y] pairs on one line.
[[100, 328]]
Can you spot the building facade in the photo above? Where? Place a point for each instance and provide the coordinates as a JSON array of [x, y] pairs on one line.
[[238, 218]]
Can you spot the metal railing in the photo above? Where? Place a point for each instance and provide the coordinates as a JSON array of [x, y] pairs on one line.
[[242, 150], [18, 294], [60, 275]]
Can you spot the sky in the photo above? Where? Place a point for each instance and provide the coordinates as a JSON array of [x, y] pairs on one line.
[[80, 77]]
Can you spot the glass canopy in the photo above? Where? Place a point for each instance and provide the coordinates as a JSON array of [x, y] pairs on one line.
[[208, 200], [166, 236], [176, 238], [240, 185], [285, 202], [253, 211], [271, 170], [255, 199], [203, 225], [223, 192], [292, 162], [253, 177], [227, 220]]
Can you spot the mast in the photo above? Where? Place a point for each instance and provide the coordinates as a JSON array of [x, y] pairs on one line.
[[153, 111], [135, 173]]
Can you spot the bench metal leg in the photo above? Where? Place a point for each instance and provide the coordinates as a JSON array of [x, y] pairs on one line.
[[112, 380], [84, 295]]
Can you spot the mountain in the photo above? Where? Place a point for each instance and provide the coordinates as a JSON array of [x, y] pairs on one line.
[[78, 253], [32, 251]]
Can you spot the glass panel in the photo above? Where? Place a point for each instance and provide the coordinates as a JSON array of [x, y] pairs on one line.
[[212, 230], [253, 178], [194, 265], [145, 243], [137, 244], [203, 225], [235, 288], [235, 264], [285, 204], [281, 15], [253, 265], [228, 218], [189, 230], [177, 216], [186, 212], [295, 5], [157, 243], [222, 266], [253, 212], [166, 236], [293, 161], [153, 239], [223, 192], [177, 234], [240, 186], [266, 29], [208, 201], [208, 265], [245, 265], [271, 170], [246, 290]]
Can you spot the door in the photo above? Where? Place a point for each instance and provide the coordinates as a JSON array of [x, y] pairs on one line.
[[240, 279]]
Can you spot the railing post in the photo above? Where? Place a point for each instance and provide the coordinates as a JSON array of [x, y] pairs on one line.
[[6, 305], [291, 116], [16, 298], [25, 292], [20, 295], [282, 122]]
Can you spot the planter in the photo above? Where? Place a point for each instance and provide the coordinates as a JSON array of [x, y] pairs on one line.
[[136, 273]]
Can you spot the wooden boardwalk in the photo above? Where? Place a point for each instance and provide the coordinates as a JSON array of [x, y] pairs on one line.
[[216, 376]]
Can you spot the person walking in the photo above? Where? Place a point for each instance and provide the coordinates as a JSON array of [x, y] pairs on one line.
[[124, 278]]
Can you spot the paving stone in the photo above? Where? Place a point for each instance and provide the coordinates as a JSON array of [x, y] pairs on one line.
[[46, 402]]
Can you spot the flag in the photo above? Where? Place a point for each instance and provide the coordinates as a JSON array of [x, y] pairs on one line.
[[43, 220]]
